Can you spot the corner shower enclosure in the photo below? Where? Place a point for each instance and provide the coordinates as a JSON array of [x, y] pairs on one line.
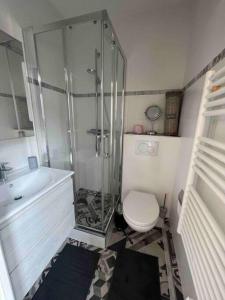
[[76, 71]]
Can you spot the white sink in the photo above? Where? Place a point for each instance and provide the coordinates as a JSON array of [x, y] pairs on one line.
[[22, 191]]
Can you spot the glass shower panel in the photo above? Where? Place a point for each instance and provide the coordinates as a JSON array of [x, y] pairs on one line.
[[50, 56], [107, 115], [83, 43]]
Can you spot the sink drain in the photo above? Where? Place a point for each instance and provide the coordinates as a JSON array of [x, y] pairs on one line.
[[18, 197]]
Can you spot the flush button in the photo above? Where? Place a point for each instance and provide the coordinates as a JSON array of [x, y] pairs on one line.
[[147, 148]]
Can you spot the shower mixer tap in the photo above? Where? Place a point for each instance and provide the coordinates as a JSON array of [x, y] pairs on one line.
[[98, 145]]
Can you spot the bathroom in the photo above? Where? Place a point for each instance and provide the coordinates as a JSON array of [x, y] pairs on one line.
[[112, 149]]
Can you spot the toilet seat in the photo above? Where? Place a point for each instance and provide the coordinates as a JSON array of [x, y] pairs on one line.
[[141, 210]]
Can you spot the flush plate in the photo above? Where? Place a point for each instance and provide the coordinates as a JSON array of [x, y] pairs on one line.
[[147, 148]]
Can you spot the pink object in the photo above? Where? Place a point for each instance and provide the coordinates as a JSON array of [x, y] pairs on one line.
[[138, 129]]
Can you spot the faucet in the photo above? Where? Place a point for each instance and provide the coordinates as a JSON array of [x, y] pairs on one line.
[[3, 172]]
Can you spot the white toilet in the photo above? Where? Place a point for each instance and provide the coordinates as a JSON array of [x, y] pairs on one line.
[[140, 210]]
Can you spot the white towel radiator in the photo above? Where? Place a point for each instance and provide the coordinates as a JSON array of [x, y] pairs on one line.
[[202, 235]]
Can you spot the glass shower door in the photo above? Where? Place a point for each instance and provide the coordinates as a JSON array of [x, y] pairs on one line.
[[112, 114], [50, 55], [83, 44], [77, 69]]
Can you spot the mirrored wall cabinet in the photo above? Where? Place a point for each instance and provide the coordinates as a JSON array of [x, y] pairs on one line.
[[15, 119]]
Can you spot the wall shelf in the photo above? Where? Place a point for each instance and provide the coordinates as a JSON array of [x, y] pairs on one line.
[[148, 135]]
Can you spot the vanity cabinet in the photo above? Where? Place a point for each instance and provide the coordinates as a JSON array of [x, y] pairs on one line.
[[32, 237]]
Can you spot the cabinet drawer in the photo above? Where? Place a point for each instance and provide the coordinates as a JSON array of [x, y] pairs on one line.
[[29, 270]]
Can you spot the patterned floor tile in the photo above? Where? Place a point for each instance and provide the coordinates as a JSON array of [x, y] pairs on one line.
[[149, 243], [95, 298], [173, 262], [89, 208]]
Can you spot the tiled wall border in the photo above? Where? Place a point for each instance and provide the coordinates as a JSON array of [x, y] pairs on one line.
[[150, 92], [5, 95], [210, 65], [87, 95]]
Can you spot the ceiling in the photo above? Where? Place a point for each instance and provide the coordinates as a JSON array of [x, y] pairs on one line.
[[70, 8], [33, 12]]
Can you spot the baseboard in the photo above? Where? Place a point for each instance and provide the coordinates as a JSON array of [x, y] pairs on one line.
[[88, 238]]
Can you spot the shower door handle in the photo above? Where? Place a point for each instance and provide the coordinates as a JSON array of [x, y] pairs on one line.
[[98, 145]]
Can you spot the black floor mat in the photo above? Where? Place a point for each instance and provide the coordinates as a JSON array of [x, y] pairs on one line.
[[71, 275], [135, 277], [119, 246]]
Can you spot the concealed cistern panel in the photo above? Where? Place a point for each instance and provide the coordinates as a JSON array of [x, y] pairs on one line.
[[148, 148]]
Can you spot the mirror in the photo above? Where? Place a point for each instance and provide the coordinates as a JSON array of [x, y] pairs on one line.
[[14, 117], [153, 113]]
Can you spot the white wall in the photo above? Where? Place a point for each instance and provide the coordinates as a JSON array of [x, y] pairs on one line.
[[153, 174], [135, 108], [206, 41], [155, 44]]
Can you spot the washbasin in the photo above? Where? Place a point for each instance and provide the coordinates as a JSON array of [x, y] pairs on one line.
[[20, 192]]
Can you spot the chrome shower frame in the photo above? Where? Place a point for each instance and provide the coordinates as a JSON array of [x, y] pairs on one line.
[[40, 127]]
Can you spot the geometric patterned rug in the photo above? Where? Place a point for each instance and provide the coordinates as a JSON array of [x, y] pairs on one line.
[[149, 243]]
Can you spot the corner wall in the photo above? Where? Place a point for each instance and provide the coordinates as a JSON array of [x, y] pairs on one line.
[[155, 44]]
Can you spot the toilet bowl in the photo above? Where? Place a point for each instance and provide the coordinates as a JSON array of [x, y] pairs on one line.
[[140, 210]]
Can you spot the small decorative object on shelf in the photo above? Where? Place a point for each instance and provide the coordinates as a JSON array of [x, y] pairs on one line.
[[215, 88], [172, 112], [138, 129], [153, 113]]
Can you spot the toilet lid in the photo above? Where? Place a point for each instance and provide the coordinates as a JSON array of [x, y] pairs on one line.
[[140, 208]]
